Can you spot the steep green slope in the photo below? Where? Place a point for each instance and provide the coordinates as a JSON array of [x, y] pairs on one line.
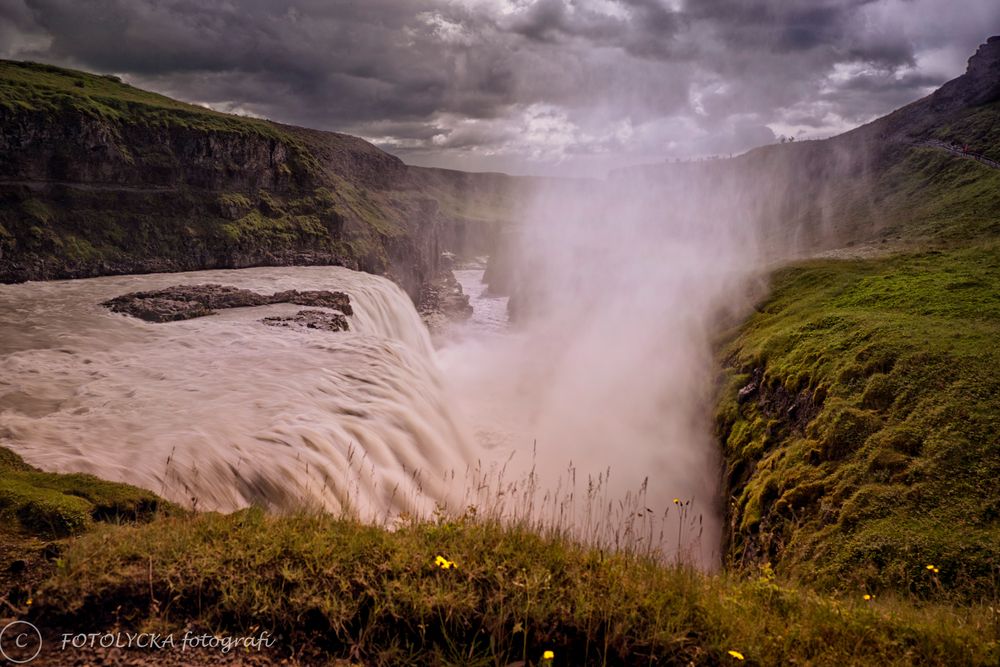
[[859, 412], [929, 195], [977, 128], [861, 424], [906, 196]]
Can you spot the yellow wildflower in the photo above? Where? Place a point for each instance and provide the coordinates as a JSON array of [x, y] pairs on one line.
[[936, 570], [736, 654], [868, 597], [548, 655], [444, 563], [930, 567]]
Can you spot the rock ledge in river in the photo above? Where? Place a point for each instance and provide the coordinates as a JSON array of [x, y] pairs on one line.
[[311, 319], [442, 301], [184, 302]]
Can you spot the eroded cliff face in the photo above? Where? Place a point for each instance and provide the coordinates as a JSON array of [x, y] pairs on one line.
[[94, 182], [81, 150]]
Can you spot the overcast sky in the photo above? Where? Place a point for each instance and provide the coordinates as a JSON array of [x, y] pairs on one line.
[[524, 86]]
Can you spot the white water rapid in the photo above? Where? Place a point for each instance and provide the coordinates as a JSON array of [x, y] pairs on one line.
[[223, 411]]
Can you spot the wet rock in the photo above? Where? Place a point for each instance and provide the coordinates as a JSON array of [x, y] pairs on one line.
[[317, 299], [794, 409], [442, 301], [184, 302], [746, 392], [311, 319], [156, 309]]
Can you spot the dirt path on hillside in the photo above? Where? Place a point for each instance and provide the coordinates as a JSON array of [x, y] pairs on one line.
[[959, 151]]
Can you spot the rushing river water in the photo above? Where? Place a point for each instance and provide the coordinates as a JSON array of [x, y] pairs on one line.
[[489, 312], [223, 411]]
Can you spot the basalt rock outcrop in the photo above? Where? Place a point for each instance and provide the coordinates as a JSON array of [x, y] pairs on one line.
[[979, 85], [442, 301], [311, 319], [185, 302]]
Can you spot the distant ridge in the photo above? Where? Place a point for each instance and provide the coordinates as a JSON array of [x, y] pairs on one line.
[[98, 177]]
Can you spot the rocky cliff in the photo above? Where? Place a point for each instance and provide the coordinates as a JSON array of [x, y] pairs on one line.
[[98, 177]]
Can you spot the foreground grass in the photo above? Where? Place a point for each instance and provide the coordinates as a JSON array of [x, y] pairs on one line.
[[332, 589], [867, 445], [377, 596], [39, 510]]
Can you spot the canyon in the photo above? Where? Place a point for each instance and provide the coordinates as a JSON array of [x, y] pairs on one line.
[[782, 363]]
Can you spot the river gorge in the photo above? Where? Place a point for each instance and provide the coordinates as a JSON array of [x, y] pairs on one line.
[[526, 421]]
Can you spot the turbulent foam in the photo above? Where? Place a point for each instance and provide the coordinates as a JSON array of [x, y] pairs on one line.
[[223, 411]]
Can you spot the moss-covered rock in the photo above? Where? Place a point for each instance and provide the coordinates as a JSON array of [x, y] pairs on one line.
[[51, 505]]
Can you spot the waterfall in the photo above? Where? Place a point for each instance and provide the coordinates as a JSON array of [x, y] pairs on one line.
[[221, 412]]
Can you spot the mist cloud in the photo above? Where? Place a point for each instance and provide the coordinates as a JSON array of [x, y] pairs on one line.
[[527, 85]]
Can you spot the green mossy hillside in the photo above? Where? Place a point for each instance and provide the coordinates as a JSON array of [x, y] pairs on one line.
[[977, 128], [927, 195], [866, 445]]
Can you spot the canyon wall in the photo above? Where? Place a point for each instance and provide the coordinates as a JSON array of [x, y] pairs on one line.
[[97, 178]]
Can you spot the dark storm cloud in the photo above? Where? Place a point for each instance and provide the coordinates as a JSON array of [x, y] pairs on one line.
[[345, 57], [522, 82], [833, 28], [18, 29], [645, 28]]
